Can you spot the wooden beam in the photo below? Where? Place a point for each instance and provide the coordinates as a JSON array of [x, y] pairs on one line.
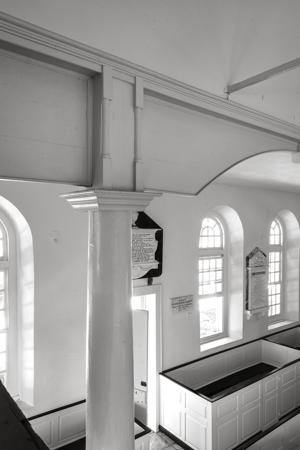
[[266, 75]]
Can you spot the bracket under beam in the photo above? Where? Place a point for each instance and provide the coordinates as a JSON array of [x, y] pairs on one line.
[[263, 76]]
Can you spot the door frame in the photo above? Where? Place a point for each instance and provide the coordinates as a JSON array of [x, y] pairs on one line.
[[154, 353]]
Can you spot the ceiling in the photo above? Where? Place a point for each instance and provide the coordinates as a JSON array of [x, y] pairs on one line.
[[273, 170], [205, 43]]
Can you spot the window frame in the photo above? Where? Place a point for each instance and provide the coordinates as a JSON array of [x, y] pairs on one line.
[[8, 264], [214, 252], [280, 248]]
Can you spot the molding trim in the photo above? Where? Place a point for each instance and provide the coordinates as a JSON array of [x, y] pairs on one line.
[[20, 36], [101, 200], [61, 426]]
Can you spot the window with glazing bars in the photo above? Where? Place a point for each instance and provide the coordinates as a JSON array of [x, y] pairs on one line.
[[275, 271], [211, 279], [3, 303]]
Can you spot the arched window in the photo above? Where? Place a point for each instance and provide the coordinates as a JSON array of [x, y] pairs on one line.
[[16, 303], [4, 302], [211, 279], [276, 257]]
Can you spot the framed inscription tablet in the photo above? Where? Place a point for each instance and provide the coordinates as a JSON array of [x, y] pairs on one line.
[[257, 280], [147, 238]]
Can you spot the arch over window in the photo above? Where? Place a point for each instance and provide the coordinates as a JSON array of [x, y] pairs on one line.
[[16, 303], [283, 283], [220, 276]]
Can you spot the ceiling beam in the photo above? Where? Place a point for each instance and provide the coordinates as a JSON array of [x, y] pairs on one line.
[[267, 74]]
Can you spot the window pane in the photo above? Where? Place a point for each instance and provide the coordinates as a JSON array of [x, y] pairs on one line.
[[2, 280], [3, 342], [210, 275], [2, 300], [2, 362], [211, 316], [275, 275], [275, 237], [2, 320], [211, 234]]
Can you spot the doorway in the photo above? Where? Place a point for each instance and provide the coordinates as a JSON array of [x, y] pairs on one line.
[[146, 353]]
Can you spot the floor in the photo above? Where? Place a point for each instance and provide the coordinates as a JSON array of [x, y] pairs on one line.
[[158, 441]]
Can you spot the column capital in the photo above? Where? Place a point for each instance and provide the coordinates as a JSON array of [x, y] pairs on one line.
[[106, 200]]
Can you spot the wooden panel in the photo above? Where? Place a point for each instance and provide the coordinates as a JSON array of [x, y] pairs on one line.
[[288, 375], [227, 434], [270, 384], [250, 421], [269, 412], [71, 424], [43, 121], [122, 135], [287, 399], [227, 406], [195, 433], [250, 395], [196, 404], [171, 406], [43, 427]]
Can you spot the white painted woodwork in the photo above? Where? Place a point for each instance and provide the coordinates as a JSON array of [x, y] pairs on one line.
[[207, 370], [61, 427], [45, 123], [287, 389], [122, 135], [105, 127], [226, 423], [178, 141], [270, 409], [110, 365], [258, 78], [27, 35], [138, 151]]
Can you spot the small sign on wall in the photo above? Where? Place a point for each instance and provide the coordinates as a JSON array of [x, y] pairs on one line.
[[182, 304]]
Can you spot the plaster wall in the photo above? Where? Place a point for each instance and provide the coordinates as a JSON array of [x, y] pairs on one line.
[[60, 264], [180, 217]]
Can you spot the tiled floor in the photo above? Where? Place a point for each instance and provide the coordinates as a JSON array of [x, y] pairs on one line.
[[159, 441]]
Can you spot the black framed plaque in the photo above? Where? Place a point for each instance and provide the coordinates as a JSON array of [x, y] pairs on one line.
[[147, 247]]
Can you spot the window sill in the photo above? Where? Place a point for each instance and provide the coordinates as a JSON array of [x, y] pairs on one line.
[[217, 343], [282, 323]]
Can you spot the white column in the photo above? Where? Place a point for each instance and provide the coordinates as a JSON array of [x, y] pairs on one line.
[[110, 412]]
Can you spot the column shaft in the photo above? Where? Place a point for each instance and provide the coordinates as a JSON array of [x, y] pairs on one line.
[[110, 413]]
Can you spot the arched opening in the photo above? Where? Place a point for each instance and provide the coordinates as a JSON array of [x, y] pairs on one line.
[[20, 376]]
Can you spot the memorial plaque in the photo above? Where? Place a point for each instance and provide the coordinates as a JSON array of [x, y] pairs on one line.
[[146, 247], [257, 280]]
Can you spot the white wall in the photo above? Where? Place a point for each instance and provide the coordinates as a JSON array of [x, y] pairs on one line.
[[60, 264], [60, 252], [180, 217]]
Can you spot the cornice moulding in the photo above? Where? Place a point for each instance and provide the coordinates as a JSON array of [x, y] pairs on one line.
[[19, 33], [105, 200]]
